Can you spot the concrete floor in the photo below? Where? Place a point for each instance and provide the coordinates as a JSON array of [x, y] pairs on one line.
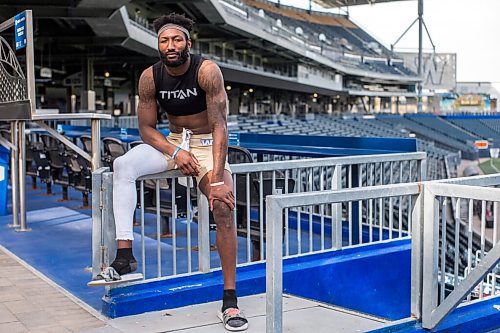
[[30, 302], [300, 315]]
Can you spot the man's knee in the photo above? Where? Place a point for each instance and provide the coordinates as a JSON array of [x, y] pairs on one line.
[[122, 169], [222, 215], [118, 164]]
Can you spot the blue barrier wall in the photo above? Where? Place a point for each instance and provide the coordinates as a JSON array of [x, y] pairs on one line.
[[376, 282], [374, 279], [322, 146], [301, 145]]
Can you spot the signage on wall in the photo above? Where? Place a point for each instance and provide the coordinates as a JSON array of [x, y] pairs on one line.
[[481, 144], [20, 30]]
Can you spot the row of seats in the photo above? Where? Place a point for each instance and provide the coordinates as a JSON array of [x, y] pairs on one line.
[[480, 128], [324, 125], [444, 127], [440, 139], [53, 163], [483, 127]]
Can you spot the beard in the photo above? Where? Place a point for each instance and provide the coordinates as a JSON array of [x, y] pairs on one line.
[[182, 57]]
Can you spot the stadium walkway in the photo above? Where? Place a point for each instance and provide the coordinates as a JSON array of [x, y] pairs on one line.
[[30, 302], [299, 316]]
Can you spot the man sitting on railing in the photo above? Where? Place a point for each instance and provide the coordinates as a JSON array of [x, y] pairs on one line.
[[190, 89]]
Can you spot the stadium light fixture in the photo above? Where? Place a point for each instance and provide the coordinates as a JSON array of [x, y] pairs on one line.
[[315, 95], [228, 88], [250, 90], [106, 74]]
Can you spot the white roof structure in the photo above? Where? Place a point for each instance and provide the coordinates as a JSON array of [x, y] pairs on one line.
[[345, 3]]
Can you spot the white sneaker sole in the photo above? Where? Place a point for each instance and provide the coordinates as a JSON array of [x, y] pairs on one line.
[[124, 278]]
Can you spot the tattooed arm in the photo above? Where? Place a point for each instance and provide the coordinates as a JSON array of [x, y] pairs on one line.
[[211, 81], [147, 114]]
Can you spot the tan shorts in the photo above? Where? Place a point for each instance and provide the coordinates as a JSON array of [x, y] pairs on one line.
[[200, 145]]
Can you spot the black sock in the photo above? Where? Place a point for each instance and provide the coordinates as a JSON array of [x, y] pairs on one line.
[[125, 253], [124, 262], [229, 299]]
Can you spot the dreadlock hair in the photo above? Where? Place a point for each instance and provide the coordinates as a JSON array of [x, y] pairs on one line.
[[179, 19]]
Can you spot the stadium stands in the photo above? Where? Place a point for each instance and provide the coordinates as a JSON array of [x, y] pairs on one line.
[[480, 128], [430, 133], [335, 36], [484, 127], [443, 127], [446, 139], [324, 125]]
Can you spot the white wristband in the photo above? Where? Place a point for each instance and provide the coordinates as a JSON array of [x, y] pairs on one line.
[[217, 184]]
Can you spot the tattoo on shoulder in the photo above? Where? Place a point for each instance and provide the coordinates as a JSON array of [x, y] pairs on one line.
[[147, 84], [210, 78]]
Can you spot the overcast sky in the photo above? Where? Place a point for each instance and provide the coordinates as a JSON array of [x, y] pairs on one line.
[[468, 28]]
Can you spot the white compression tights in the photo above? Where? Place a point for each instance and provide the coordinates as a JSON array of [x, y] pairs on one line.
[[139, 161]]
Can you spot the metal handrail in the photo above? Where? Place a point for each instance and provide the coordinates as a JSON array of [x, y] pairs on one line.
[[425, 241], [328, 171], [328, 161], [434, 307], [275, 206]]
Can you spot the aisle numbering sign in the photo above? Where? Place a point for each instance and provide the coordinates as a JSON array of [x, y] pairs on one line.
[[20, 30]]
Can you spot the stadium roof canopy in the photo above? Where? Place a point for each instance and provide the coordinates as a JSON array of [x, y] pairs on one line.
[[345, 3]]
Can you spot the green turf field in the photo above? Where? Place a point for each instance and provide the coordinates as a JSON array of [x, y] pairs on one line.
[[488, 168]]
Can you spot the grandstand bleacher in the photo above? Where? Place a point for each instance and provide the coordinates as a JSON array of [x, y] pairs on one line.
[[443, 149], [324, 125], [338, 33]]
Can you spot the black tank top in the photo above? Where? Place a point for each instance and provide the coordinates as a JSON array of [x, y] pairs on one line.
[[180, 95]]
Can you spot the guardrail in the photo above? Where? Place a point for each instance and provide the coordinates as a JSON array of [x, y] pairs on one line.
[[18, 156], [122, 121], [429, 261], [435, 303], [307, 230], [319, 228]]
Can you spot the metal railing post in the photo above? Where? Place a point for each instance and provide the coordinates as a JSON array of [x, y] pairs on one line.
[[108, 229], [97, 209], [21, 147], [274, 266], [356, 216], [337, 210], [430, 256], [422, 169], [417, 255], [14, 173], [203, 234], [96, 144]]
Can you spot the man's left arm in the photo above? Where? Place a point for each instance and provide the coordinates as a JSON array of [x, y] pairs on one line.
[[211, 81]]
